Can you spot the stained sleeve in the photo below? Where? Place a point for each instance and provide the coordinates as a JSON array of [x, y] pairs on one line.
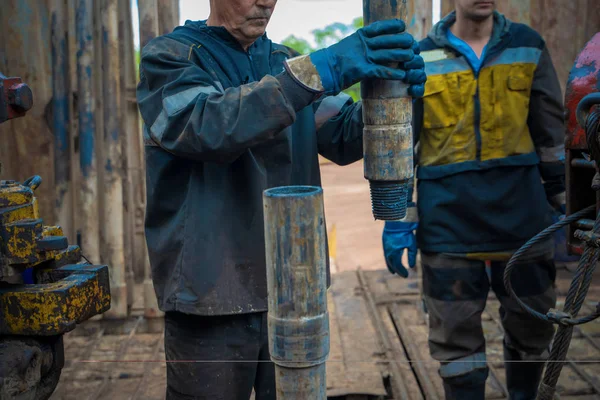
[[547, 127], [187, 113], [339, 124]]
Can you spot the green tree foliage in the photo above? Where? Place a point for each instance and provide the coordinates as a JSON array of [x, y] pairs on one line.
[[300, 45], [325, 37]]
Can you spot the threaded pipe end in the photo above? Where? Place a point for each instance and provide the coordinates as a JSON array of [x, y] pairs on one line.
[[389, 199]]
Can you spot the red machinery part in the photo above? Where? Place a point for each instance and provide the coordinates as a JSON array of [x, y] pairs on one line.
[[584, 79], [16, 98]]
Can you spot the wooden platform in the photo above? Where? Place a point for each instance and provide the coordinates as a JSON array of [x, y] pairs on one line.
[[378, 332], [378, 349]]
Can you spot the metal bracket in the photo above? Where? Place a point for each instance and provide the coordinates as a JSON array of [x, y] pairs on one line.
[[591, 238], [558, 317], [77, 292]]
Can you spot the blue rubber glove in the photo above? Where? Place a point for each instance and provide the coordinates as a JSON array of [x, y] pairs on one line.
[[381, 50], [399, 236]]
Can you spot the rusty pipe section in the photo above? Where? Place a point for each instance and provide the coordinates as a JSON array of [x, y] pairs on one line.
[[149, 22], [295, 241], [387, 133], [149, 29], [89, 227], [168, 15], [112, 233], [61, 117]]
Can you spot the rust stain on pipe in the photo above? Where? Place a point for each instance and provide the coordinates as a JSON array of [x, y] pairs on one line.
[[387, 134], [297, 289], [112, 233], [148, 15], [89, 226]]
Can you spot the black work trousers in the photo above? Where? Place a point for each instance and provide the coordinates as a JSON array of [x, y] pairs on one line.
[[218, 357]]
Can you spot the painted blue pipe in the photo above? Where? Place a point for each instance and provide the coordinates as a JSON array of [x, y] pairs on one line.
[[60, 114], [88, 193], [296, 258]]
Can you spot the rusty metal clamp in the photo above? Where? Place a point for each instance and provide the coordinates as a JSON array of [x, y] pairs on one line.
[[591, 238]]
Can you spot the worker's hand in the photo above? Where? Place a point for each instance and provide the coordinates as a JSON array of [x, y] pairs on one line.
[[381, 50], [415, 70], [399, 236]]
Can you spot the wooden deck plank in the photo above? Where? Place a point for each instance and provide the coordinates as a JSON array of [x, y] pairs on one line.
[[581, 350], [593, 371], [408, 375], [75, 389], [360, 351], [412, 337], [402, 286], [570, 383], [336, 378]]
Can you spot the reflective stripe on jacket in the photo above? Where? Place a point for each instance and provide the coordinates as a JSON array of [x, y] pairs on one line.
[[219, 130], [487, 139]]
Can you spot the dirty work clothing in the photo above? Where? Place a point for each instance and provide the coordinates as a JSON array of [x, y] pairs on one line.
[[241, 339], [220, 127], [523, 376], [487, 138], [470, 386], [456, 291], [466, 50]]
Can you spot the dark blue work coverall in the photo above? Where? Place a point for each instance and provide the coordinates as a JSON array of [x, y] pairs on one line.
[[220, 127]]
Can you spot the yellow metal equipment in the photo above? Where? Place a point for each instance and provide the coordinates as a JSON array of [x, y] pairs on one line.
[[66, 289]]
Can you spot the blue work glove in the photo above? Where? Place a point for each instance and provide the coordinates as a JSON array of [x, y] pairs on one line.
[[399, 236], [381, 50]]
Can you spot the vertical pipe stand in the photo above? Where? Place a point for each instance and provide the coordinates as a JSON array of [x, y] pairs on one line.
[[297, 286], [112, 233], [89, 226], [60, 118], [148, 16], [387, 134]]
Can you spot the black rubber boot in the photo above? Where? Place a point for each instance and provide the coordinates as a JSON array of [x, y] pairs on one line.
[[522, 378], [454, 392], [466, 387]]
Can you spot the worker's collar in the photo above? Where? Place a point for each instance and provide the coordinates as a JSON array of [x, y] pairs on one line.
[[438, 33], [222, 34]]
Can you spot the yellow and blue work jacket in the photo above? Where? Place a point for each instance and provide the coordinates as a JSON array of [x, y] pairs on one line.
[[490, 141]]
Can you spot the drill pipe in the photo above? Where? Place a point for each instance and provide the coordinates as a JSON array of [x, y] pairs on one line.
[[387, 133], [148, 16], [60, 117], [297, 288], [88, 190], [113, 235]]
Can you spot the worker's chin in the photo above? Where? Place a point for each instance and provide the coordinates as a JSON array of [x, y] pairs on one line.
[[256, 27], [481, 13]]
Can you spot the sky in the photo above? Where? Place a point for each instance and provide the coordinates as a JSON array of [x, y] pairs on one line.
[[291, 17]]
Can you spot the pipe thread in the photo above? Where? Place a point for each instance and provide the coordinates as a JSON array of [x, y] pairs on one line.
[[389, 199]]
